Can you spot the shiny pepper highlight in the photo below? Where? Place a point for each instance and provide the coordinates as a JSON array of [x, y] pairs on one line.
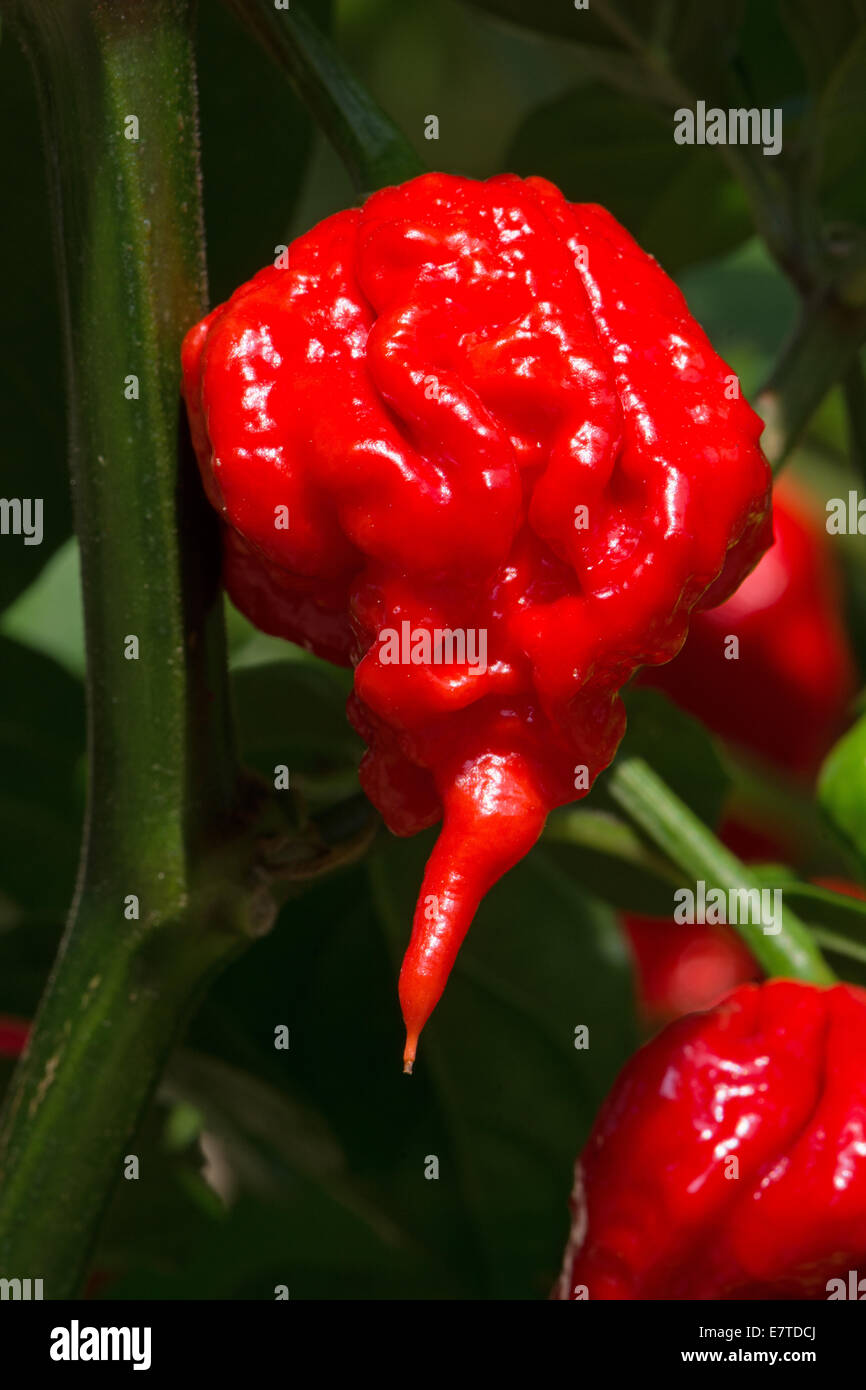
[[471, 420], [729, 1160]]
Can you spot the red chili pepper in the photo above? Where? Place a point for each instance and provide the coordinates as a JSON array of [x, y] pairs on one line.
[[680, 968], [13, 1035], [472, 442], [842, 885], [729, 1160], [787, 694]]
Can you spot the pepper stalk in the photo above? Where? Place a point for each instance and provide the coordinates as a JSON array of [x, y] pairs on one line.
[[170, 887]]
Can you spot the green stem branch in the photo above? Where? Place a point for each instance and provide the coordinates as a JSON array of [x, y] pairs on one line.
[[168, 891], [374, 150], [674, 829]]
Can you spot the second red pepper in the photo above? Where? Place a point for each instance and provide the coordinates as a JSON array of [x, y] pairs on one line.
[[729, 1160]]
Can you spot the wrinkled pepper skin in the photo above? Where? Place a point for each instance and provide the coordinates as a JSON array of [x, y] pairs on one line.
[[787, 695], [435, 386], [773, 1077]]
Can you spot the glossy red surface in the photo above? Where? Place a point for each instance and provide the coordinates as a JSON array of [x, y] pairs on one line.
[[729, 1160], [434, 388]]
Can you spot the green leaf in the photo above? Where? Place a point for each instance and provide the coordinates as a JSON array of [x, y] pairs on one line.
[[600, 22], [747, 307], [32, 417], [156, 1219], [823, 34], [840, 134], [842, 791], [292, 713], [605, 854], [768, 61], [514, 1093], [837, 921], [500, 1095], [760, 799], [323, 1144], [559, 18], [679, 749], [255, 1247], [48, 616], [601, 147], [608, 858], [666, 37], [836, 911], [325, 973], [267, 1135], [672, 826]]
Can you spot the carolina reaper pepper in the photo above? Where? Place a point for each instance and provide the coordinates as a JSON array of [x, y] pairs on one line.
[[729, 1160], [470, 441]]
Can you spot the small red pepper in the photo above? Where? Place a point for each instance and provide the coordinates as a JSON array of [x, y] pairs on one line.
[[14, 1033], [471, 441], [680, 968], [729, 1160], [786, 695]]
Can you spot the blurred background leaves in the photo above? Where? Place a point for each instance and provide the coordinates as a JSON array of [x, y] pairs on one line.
[[306, 1167], [599, 147]]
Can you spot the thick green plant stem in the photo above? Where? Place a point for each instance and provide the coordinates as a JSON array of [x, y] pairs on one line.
[[374, 150], [674, 829], [168, 890]]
